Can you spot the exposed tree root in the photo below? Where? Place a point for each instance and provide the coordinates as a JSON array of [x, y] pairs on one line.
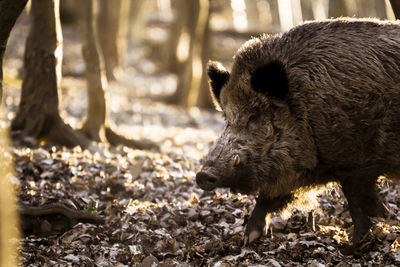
[[116, 139], [63, 134], [174, 99], [91, 131], [55, 218], [50, 129], [60, 133]]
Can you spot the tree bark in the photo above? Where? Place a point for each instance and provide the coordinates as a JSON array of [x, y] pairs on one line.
[[190, 59], [9, 219], [9, 12], [108, 23], [396, 8], [95, 126], [53, 219], [306, 8], [123, 30], [38, 114], [371, 8], [174, 62], [136, 21], [186, 78], [189, 15], [95, 75], [276, 21], [380, 9], [203, 95], [253, 19], [337, 8], [320, 11], [113, 20]]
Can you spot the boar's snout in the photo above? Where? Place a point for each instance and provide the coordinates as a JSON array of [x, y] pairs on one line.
[[206, 180]]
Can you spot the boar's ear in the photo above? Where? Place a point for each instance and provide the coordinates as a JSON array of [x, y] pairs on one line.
[[271, 79], [218, 77]]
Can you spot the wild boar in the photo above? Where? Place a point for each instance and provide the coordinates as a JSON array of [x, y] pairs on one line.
[[316, 104]]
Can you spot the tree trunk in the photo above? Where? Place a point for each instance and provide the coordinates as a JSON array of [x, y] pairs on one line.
[[192, 57], [337, 8], [136, 21], [174, 61], [380, 8], [285, 14], [95, 76], [189, 52], [38, 114], [108, 23], [95, 126], [276, 21], [297, 12], [203, 95], [67, 13], [186, 21], [320, 11], [371, 8], [306, 8], [396, 8], [9, 220], [123, 30], [252, 16], [9, 12], [113, 20]]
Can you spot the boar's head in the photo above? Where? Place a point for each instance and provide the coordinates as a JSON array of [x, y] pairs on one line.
[[265, 145]]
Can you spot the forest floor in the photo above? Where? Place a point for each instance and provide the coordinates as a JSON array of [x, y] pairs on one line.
[[154, 214]]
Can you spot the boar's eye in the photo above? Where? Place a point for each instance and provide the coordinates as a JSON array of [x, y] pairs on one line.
[[236, 160]]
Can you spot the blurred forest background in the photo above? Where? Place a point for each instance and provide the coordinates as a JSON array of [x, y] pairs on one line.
[[172, 39], [129, 74]]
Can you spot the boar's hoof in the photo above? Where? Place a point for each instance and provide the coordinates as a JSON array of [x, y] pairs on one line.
[[254, 230], [206, 181], [253, 235]]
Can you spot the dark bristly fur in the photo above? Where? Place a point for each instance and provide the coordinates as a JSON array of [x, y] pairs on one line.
[[270, 79], [317, 104]]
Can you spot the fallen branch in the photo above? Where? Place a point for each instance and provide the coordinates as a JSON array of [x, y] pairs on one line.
[[54, 218]]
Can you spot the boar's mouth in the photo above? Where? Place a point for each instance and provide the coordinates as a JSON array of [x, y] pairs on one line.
[[208, 181]]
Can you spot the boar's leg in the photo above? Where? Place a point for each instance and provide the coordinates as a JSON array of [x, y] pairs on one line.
[[372, 203], [256, 223], [363, 203]]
